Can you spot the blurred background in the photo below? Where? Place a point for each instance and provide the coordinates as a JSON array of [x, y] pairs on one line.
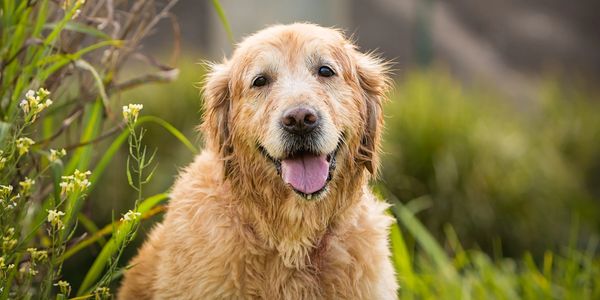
[[493, 121]]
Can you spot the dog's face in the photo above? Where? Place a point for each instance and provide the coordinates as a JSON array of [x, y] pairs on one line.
[[295, 99]]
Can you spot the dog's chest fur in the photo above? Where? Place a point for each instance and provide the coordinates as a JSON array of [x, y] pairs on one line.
[[228, 264], [203, 250]]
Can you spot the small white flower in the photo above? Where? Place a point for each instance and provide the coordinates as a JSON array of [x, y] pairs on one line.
[[23, 145], [24, 106], [77, 182], [30, 94], [76, 14], [131, 216], [54, 218], [56, 154], [34, 102], [64, 287], [131, 112]]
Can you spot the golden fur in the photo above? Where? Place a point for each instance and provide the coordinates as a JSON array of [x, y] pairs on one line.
[[234, 229]]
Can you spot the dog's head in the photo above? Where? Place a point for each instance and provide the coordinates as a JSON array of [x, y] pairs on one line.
[[300, 104]]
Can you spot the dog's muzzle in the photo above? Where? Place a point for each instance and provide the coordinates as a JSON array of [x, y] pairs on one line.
[[304, 167]]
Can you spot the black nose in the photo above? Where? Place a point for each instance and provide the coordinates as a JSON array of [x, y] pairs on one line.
[[300, 120]]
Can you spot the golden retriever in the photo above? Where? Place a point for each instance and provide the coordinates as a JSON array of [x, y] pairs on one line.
[[277, 206]]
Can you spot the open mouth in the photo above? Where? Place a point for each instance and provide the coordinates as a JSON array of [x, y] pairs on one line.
[[306, 172]]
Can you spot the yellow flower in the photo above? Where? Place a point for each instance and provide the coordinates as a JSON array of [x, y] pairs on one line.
[[5, 191], [26, 186], [23, 145], [42, 92], [37, 255], [8, 243]]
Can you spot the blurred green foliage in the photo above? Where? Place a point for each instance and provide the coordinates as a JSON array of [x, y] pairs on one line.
[[507, 176]]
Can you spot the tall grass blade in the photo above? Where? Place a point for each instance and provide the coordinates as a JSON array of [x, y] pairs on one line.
[[423, 237], [219, 9]]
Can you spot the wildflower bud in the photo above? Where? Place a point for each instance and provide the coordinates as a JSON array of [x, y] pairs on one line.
[[130, 216], [54, 218], [2, 160], [131, 112], [23, 145], [34, 103], [56, 154], [42, 92], [37, 255], [102, 293], [5, 191], [26, 186], [64, 287], [78, 182]]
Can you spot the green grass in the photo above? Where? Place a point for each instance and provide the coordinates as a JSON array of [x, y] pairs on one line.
[[426, 270]]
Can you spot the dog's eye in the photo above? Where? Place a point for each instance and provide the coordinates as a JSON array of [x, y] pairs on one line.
[[259, 81], [325, 71]]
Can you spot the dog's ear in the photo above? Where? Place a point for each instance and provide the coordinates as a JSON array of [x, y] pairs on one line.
[[374, 81], [217, 103]]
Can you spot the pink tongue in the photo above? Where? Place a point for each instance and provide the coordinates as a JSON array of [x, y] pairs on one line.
[[307, 173]]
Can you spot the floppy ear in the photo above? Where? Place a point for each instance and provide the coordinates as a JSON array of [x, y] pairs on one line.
[[217, 102], [374, 82]]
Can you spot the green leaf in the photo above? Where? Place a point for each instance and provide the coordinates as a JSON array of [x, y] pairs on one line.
[[81, 28], [91, 227], [219, 9], [4, 130], [401, 257], [423, 237], [80, 63], [129, 177], [172, 130], [81, 157]]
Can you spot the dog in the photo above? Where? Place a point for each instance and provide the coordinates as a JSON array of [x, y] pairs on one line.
[[277, 205]]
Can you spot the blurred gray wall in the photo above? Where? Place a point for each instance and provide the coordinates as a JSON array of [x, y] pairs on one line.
[[508, 43], [246, 17]]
